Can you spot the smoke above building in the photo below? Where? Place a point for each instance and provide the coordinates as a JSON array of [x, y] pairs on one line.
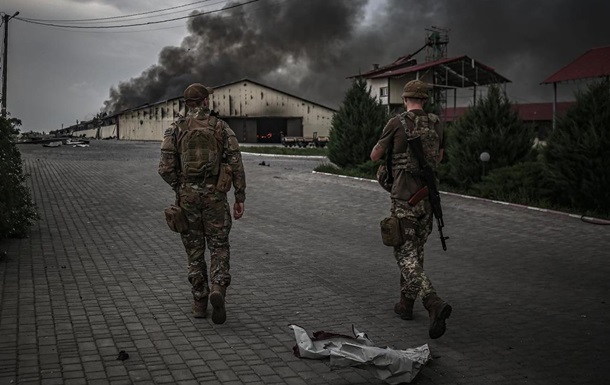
[[310, 47]]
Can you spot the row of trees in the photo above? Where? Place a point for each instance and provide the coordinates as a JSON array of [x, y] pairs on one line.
[[570, 172]]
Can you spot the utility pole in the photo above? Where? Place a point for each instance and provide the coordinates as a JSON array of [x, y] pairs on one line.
[[5, 19]]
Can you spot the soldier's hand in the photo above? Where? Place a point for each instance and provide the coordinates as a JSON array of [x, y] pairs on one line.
[[238, 210]]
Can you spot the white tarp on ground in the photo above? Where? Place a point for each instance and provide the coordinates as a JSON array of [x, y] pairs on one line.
[[390, 365]]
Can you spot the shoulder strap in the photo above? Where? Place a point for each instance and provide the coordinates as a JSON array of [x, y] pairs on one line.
[[411, 116], [179, 131]]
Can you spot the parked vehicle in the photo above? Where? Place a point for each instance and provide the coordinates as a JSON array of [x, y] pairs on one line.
[[305, 141]]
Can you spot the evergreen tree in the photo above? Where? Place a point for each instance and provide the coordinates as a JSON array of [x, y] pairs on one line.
[[576, 154], [16, 205], [491, 126], [356, 127]]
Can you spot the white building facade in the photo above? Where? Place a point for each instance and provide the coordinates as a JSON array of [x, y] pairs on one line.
[[256, 113]]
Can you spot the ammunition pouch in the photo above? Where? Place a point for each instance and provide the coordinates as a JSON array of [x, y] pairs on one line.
[[392, 232], [176, 219], [225, 177]]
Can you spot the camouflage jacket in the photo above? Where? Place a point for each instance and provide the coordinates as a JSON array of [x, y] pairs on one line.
[[169, 164]]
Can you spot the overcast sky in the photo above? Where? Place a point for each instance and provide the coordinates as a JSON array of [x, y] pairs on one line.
[[57, 75]]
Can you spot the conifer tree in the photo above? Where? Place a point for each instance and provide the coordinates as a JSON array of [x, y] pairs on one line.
[[16, 206], [576, 154], [356, 127], [492, 126]]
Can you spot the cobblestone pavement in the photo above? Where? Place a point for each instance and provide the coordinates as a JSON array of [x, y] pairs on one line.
[[101, 273]]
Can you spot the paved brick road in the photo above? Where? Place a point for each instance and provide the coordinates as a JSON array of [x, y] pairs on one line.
[[101, 273]]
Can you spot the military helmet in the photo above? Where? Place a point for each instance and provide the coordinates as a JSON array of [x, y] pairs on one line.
[[416, 89], [197, 91]]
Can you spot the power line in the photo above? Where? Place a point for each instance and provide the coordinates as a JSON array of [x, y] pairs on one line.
[[137, 24], [254, 8], [165, 14], [112, 17]]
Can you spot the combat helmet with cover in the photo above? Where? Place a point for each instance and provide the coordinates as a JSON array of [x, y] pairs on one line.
[[416, 89], [197, 91]]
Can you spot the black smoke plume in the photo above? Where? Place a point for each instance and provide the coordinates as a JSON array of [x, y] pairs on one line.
[[310, 47]]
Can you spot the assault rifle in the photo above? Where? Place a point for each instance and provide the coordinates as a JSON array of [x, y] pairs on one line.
[[430, 181]]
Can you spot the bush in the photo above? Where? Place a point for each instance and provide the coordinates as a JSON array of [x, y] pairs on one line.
[[576, 152], [356, 127], [492, 126], [524, 183], [18, 210]]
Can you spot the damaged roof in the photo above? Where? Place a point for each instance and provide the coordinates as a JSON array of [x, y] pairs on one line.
[[457, 72]]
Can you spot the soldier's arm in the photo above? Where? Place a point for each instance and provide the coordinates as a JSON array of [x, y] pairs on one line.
[[169, 162], [384, 142], [377, 152], [237, 167]]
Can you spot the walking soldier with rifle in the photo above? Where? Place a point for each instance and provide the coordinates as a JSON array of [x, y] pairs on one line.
[[413, 145]]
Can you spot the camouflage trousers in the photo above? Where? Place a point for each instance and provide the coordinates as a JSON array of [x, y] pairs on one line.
[[417, 225], [208, 215]]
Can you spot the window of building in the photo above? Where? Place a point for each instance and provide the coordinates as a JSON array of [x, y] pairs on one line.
[[383, 92]]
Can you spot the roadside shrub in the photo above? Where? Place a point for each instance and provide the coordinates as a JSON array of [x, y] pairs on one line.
[[16, 206], [525, 183], [576, 154], [356, 127], [492, 126]]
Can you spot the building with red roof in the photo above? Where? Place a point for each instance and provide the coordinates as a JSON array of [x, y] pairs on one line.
[[595, 63], [444, 74]]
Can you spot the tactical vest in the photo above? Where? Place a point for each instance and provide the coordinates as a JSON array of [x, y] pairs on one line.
[[429, 138], [200, 150]]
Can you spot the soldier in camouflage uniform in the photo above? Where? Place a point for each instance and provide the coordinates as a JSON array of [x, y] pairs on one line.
[[190, 164], [416, 220]]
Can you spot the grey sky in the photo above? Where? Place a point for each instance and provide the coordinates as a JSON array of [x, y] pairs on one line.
[[306, 47]]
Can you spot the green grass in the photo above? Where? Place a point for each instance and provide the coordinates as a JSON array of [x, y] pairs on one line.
[[285, 150], [366, 170]]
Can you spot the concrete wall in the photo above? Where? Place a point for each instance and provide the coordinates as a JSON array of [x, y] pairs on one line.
[[108, 131], [252, 100], [396, 86], [376, 85], [149, 122], [104, 132], [240, 100]]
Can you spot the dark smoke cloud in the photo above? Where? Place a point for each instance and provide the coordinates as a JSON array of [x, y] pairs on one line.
[[310, 47]]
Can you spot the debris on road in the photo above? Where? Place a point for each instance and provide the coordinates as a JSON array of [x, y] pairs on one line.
[[52, 144], [390, 365]]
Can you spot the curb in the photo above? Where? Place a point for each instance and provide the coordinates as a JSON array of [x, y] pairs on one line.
[[286, 156], [591, 220]]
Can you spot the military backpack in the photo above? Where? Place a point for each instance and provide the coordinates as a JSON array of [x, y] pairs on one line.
[[200, 148]]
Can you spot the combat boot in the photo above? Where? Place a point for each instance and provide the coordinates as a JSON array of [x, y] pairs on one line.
[[200, 307], [217, 299], [404, 308], [439, 311]]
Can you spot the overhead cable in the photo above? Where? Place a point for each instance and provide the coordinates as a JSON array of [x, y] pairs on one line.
[[113, 17], [136, 24], [255, 8]]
